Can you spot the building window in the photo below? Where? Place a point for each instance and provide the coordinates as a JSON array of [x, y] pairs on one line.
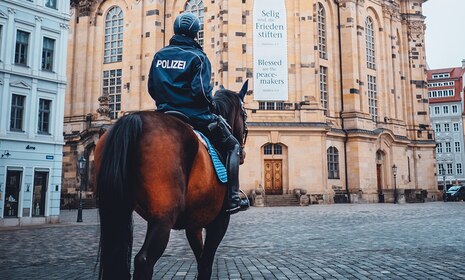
[[458, 148], [459, 168], [449, 168], [51, 4], [196, 7], [456, 127], [333, 163], [441, 76], [322, 31], [437, 110], [443, 84], [17, 112], [324, 88], [437, 127], [268, 149], [448, 147], [439, 148], [44, 116], [441, 93], [446, 127], [273, 149], [277, 149], [112, 89], [22, 44], [271, 105], [114, 35], [47, 54], [372, 97], [370, 43], [441, 168], [445, 109], [454, 109]]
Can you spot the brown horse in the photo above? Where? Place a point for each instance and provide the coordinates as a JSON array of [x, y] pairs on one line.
[[153, 163]]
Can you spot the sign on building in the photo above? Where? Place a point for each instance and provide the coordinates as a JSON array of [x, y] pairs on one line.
[[270, 50]]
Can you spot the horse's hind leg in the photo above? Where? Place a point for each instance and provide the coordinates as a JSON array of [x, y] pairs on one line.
[[194, 236], [156, 239], [215, 233]]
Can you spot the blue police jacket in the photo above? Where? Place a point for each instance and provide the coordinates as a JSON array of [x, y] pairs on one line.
[[179, 79]]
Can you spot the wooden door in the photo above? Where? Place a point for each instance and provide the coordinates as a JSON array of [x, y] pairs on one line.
[[379, 178], [273, 176]]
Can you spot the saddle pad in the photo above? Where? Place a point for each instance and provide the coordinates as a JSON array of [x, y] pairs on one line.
[[220, 169]]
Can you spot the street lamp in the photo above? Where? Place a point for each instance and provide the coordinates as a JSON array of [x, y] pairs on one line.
[[444, 187], [394, 172], [82, 170]]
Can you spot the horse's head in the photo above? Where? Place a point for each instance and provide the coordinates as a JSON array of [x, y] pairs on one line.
[[230, 105]]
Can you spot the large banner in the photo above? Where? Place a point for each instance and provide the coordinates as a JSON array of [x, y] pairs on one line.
[[270, 50]]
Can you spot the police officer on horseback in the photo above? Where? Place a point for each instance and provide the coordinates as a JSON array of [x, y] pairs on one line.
[[179, 80]]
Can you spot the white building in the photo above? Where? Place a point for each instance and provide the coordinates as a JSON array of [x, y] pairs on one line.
[[33, 43], [445, 91]]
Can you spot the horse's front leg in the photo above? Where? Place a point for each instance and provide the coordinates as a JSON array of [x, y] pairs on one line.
[[215, 233], [156, 239], [194, 236]]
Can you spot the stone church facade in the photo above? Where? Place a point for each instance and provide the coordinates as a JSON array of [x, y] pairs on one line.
[[355, 104]]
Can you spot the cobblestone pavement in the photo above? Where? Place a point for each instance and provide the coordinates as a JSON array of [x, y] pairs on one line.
[[357, 241]]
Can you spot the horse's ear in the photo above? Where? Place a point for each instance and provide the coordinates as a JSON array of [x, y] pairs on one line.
[[244, 88]]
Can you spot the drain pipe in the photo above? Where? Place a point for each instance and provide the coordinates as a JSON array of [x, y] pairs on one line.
[[342, 100]]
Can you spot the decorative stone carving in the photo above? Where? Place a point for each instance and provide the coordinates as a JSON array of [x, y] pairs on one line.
[[104, 108], [391, 10], [258, 197], [83, 7], [416, 26], [21, 84]]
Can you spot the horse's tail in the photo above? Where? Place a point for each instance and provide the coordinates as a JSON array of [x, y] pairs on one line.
[[115, 183]]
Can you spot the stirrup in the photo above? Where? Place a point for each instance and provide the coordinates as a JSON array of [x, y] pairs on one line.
[[238, 208]]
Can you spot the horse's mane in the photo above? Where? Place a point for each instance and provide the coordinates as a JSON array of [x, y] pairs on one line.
[[226, 101]]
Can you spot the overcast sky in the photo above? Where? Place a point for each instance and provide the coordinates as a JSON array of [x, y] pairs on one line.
[[445, 33]]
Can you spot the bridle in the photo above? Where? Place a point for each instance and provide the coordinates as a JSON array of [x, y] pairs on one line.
[[244, 134], [244, 124]]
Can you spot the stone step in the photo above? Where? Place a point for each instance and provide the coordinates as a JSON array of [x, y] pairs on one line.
[[281, 200]]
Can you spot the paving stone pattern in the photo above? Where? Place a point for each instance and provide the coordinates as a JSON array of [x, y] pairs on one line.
[[343, 241]]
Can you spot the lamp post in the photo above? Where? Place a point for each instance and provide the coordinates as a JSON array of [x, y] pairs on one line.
[[394, 172], [82, 169], [444, 187]]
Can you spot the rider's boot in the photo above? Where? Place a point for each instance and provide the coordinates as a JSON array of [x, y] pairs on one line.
[[235, 203], [231, 147]]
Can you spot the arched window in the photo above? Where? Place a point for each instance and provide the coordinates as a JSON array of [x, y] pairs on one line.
[[370, 43], [333, 162], [113, 50], [322, 31], [196, 7]]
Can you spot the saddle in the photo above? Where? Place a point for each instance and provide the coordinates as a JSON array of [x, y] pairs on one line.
[[217, 160], [179, 115]]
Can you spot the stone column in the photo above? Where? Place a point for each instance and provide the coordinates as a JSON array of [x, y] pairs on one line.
[[10, 36], [350, 61]]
